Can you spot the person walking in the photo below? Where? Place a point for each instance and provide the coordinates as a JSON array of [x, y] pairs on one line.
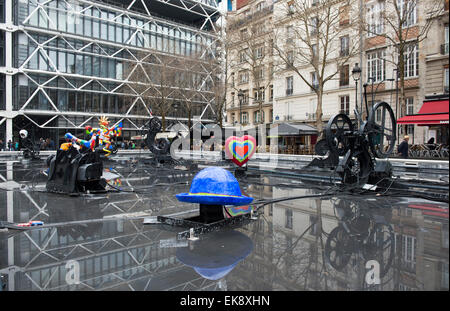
[[403, 147], [2, 145], [10, 145]]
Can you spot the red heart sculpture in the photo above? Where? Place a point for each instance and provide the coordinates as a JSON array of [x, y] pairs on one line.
[[240, 149]]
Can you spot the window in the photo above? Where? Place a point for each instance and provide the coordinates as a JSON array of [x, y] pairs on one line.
[[243, 77], [444, 47], [313, 220], [314, 80], [290, 32], [446, 80], [289, 85], [257, 117], [345, 45], [376, 65], [407, 245], [243, 56], [375, 18], [344, 15], [409, 103], [344, 76], [411, 56], [290, 59], [290, 6], [243, 34], [259, 51], [260, 6], [271, 93], [408, 14], [259, 72], [244, 118], [345, 104], [245, 97], [259, 95], [314, 51], [288, 218], [314, 25]]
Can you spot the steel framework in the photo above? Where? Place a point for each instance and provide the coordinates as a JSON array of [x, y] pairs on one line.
[[118, 34]]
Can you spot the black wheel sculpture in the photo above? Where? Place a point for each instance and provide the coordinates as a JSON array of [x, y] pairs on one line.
[[335, 133], [338, 248], [381, 128], [380, 246]]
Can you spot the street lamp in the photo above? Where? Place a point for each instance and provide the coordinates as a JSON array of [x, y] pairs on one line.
[[356, 74], [241, 98]]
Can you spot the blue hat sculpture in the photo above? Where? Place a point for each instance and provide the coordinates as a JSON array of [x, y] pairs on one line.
[[214, 186], [215, 257]]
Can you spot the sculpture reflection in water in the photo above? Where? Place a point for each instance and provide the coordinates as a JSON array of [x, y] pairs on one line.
[[216, 254], [363, 232]]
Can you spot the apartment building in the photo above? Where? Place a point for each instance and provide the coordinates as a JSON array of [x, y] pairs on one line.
[[425, 35], [301, 57], [250, 90]]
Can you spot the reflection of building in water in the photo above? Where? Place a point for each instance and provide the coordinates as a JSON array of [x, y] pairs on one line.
[[421, 236], [113, 254], [255, 271], [122, 256], [301, 227]]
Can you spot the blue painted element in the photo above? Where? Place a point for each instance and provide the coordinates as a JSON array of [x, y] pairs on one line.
[[216, 256], [230, 5], [214, 186]]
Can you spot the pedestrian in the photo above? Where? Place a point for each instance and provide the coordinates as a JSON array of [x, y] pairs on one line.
[[403, 147], [2, 145], [16, 146], [10, 145]]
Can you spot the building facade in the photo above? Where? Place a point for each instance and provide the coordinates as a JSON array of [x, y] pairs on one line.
[[425, 57], [295, 83], [360, 36], [250, 63], [66, 63]]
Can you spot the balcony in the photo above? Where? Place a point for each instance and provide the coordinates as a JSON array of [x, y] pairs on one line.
[[344, 53]]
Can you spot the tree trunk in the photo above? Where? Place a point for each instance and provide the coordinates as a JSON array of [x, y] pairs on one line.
[[319, 124], [402, 95]]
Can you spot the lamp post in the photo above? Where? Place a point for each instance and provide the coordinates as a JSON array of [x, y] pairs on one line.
[[240, 97], [356, 74]]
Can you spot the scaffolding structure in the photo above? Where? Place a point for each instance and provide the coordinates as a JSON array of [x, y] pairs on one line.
[[68, 62]]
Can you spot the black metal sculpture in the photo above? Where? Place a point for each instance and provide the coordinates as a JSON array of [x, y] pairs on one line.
[[30, 150], [350, 148], [361, 231], [76, 168]]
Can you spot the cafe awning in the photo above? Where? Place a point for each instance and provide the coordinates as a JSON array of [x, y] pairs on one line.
[[431, 113], [290, 129]]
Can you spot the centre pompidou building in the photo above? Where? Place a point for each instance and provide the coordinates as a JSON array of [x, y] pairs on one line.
[[65, 63]]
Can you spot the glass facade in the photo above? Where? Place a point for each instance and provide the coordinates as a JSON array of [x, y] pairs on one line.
[[76, 58]]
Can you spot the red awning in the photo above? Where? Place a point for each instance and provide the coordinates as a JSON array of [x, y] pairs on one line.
[[431, 112]]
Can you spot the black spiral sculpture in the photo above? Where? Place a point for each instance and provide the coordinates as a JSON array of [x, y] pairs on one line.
[[160, 147]]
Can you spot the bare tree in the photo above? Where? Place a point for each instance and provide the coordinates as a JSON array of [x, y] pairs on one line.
[[403, 24], [152, 78], [308, 42]]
